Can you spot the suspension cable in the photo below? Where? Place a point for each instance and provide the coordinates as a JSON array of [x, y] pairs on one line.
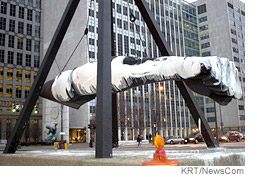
[[133, 20], [84, 34]]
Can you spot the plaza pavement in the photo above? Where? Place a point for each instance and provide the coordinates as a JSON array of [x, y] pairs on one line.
[[81, 154]]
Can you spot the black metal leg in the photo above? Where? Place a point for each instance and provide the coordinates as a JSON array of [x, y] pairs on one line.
[[185, 91], [104, 89], [46, 64]]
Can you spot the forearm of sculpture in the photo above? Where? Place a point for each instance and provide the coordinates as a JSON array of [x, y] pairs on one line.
[[210, 76]]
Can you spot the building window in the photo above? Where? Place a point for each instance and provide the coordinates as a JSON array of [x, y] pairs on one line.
[[28, 60], [1, 89], [204, 36], [210, 110], [243, 13], [202, 28], [235, 49], [9, 74], [233, 31], [2, 39], [28, 44], [19, 58], [12, 25], [2, 73], [203, 19], [29, 29], [10, 57], [241, 52], [20, 43], [2, 23], [29, 15], [231, 22], [211, 119], [35, 74], [37, 31], [18, 91], [27, 89], [3, 7], [27, 76], [205, 54], [242, 61], [201, 9], [11, 41], [238, 26], [30, 2], [240, 43], [36, 61], [38, 4], [241, 107], [237, 18], [230, 5], [2, 56], [35, 121], [231, 14], [36, 46], [20, 27], [8, 91], [236, 9], [240, 35], [236, 59], [37, 17], [205, 45], [18, 75], [12, 10], [234, 40], [21, 12]]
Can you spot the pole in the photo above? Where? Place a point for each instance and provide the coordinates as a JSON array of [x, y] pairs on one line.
[[104, 89], [216, 123], [221, 122], [62, 145]]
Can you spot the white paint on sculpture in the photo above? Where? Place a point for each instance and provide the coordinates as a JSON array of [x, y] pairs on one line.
[[83, 79]]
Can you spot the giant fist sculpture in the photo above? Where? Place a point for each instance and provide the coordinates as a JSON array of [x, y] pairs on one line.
[[214, 77]]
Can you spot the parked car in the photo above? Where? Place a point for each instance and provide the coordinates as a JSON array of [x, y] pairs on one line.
[[231, 136], [243, 133], [194, 138], [174, 140]]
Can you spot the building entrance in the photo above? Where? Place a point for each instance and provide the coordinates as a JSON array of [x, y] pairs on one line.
[[78, 135]]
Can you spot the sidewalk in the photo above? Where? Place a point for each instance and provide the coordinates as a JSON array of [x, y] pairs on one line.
[[129, 155]]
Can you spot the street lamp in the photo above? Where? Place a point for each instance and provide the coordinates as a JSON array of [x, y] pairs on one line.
[[154, 128], [161, 88], [62, 143]]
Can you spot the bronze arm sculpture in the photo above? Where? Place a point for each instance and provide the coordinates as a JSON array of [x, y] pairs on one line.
[[212, 76]]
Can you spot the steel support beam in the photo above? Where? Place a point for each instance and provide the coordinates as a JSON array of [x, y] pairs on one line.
[[187, 94], [115, 139], [44, 69], [104, 87]]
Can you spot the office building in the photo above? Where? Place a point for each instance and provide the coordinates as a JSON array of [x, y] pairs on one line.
[[221, 26], [20, 55]]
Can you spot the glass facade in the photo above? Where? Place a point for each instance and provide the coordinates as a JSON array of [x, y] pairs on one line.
[[154, 108]]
